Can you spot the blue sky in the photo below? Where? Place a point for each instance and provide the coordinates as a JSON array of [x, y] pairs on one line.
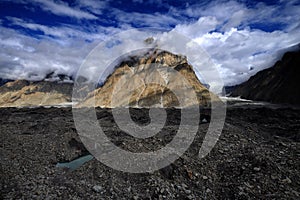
[[40, 36]]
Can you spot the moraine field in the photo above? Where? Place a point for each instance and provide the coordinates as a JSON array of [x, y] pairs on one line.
[[256, 157]]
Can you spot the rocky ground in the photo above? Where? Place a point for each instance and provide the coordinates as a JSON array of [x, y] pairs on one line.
[[256, 157]]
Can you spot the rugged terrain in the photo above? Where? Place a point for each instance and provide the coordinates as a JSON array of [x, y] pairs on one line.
[[256, 157], [21, 93], [138, 81], [151, 85], [277, 84], [3, 81]]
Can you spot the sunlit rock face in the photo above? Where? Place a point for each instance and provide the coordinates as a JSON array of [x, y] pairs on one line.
[[22, 93], [277, 84], [155, 79]]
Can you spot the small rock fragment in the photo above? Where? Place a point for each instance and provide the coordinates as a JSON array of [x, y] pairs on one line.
[[287, 180], [189, 173], [97, 188], [188, 191], [184, 185], [135, 197], [257, 169]]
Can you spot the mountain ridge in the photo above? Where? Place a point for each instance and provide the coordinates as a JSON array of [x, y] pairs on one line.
[[22, 93], [138, 70], [277, 84]]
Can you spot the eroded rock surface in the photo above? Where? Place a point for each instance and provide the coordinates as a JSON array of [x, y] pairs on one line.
[[145, 82], [22, 93]]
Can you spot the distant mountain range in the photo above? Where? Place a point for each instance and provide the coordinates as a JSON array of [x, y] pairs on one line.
[[57, 89], [27, 93], [277, 84]]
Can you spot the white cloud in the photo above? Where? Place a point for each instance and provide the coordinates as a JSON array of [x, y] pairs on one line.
[[236, 48], [62, 9], [60, 32], [144, 19], [26, 57], [202, 26], [93, 6], [236, 51]]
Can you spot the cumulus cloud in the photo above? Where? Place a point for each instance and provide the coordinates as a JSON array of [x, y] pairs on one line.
[[238, 49], [199, 28], [24, 57]]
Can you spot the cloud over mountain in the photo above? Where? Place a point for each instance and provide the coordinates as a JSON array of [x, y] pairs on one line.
[[241, 37]]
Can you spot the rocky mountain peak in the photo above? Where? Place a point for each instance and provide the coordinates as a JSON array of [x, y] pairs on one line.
[[59, 77], [138, 69], [154, 87], [154, 56]]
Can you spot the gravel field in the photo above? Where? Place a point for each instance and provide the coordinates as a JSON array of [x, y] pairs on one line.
[[256, 157]]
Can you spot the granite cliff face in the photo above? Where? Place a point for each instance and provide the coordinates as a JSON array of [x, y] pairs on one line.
[[21, 93], [278, 84], [139, 72]]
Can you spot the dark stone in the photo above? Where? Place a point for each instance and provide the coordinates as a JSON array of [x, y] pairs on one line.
[[168, 171]]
